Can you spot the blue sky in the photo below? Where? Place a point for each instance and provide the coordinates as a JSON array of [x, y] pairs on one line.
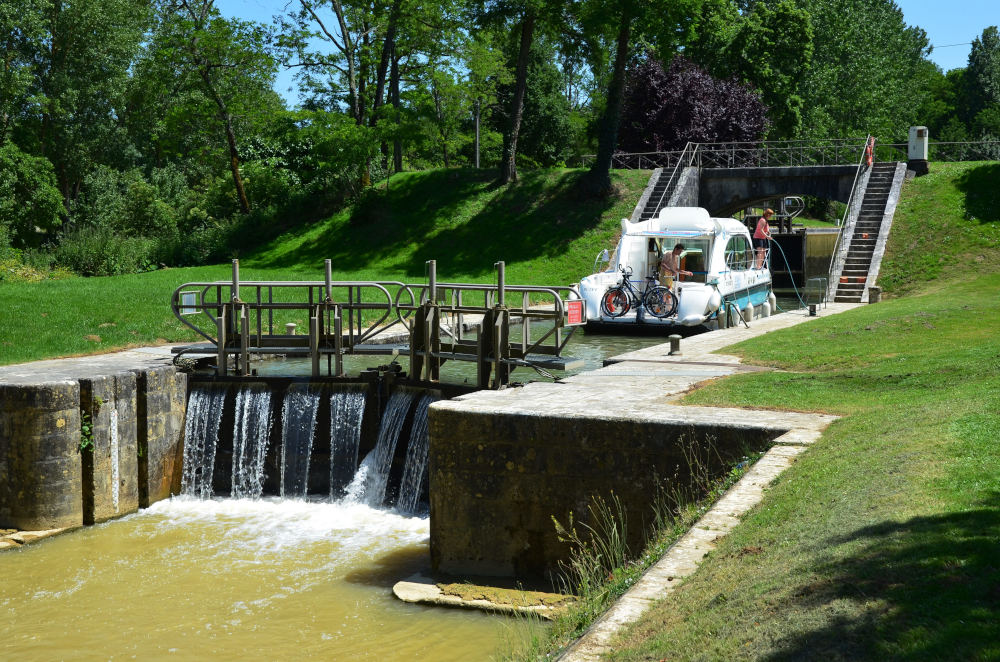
[[951, 25], [951, 22]]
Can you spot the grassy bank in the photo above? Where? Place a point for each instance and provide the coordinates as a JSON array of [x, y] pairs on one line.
[[545, 232], [882, 540]]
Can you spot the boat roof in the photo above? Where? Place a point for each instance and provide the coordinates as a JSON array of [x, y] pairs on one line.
[[684, 223]]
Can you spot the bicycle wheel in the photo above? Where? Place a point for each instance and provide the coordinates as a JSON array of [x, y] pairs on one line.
[[660, 302], [615, 302]]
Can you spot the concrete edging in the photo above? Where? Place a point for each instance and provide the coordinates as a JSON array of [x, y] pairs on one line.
[[685, 556]]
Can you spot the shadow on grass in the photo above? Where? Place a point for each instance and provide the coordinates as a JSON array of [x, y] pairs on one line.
[[981, 186], [937, 582], [421, 215]]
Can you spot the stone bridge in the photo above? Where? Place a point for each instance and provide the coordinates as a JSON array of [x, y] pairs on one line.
[[724, 191]]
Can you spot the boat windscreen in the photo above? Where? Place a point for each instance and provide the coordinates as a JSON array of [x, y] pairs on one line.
[[694, 258]]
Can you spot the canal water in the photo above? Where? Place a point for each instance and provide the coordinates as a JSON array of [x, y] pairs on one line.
[[590, 349], [229, 579], [221, 579], [267, 578]]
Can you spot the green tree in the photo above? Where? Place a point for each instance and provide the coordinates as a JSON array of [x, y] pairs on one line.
[[545, 131], [865, 73], [30, 203], [221, 68], [659, 24], [521, 18], [65, 72], [772, 50], [982, 83], [939, 106], [359, 57], [23, 35]]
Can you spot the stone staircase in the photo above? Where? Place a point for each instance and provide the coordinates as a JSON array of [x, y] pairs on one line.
[[858, 262], [660, 192]]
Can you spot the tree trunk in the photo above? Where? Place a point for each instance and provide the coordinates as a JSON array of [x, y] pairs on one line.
[[397, 144], [477, 112], [388, 50], [234, 166], [508, 167], [352, 74], [598, 179], [234, 156]]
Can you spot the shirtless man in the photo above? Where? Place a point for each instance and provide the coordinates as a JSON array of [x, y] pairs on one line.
[[670, 267]]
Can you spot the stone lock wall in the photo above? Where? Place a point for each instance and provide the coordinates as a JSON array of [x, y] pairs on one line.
[[162, 408], [498, 479], [110, 476], [54, 473], [40, 469]]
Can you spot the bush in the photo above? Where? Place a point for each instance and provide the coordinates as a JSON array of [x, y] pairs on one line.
[[125, 202], [30, 203], [103, 252]]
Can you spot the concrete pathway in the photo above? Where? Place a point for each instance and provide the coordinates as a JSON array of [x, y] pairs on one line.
[[52, 370]]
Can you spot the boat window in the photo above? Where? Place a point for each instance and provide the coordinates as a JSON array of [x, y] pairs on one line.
[[695, 259], [739, 255]]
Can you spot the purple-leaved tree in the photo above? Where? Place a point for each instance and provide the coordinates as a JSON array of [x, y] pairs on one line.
[[666, 108]]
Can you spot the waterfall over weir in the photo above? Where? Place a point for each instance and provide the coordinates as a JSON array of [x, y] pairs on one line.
[[346, 409], [414, 481], [201, 438], [375, 467], [313, 450], [251, 431], [299, 416]]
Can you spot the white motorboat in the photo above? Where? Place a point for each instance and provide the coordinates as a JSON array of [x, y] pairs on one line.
[[725, 283]]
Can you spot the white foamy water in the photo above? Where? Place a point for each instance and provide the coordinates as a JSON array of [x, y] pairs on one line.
[[283, 524]]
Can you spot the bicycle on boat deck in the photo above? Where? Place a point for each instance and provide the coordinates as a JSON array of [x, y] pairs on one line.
[[658, 300]]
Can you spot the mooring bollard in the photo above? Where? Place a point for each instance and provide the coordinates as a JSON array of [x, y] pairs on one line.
[[675, 345], [290, 328]]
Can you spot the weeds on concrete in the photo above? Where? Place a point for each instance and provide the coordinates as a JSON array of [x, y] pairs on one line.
[[600, 568]]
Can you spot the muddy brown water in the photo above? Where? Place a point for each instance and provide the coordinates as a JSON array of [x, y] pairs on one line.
[[228, 579], [224, 579]]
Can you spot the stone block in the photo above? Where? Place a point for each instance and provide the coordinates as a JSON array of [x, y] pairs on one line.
[[110, 467], [161, 403], [40, 465]]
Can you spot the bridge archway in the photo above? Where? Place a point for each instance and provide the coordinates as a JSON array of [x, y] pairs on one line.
[[724, 191]]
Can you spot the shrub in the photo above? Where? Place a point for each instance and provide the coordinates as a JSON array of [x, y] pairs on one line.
[[124, 201], [103, 252], [30, 203]]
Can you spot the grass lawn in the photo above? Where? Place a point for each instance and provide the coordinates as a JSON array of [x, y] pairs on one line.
[[883, 540], [540, 226]]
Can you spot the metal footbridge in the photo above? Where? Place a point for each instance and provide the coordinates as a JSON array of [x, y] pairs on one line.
[[431, 323]]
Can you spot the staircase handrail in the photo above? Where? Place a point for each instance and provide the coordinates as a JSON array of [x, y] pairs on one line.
[[866, 152], [689, 152]]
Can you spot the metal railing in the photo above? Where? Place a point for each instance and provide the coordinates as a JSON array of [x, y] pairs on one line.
[[852, 203], [768, 153], [684, 159], [784, 153], [944, 152], [244, 318]]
